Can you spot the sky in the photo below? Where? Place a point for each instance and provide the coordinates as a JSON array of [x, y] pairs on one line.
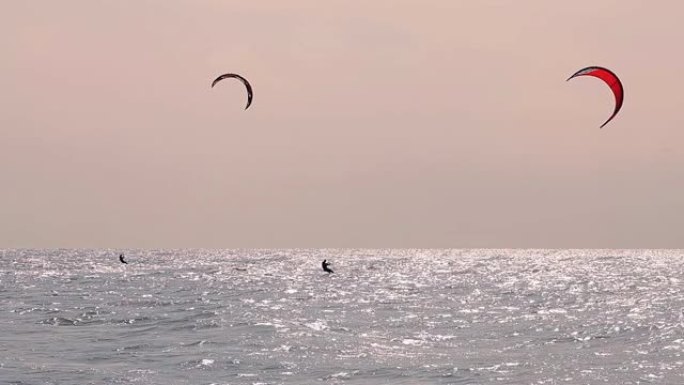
[[425, 123]]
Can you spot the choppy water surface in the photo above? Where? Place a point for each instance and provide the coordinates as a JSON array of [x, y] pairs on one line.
[[385, 317]]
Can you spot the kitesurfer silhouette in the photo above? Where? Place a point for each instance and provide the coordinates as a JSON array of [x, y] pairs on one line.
[[325, 267], [121, 258]]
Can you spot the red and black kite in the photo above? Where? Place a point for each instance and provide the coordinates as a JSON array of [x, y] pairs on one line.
[[611, 79]]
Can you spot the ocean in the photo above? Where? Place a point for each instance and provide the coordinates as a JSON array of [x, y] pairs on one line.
[[383, 317]]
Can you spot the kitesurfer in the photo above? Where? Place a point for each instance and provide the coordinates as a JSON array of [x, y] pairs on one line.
[[325, 267], [121, 258]]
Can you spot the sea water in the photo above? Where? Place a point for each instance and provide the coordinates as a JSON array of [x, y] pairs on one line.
[[383, 317]]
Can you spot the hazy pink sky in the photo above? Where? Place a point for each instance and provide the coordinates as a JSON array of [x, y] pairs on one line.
[[374, 124]]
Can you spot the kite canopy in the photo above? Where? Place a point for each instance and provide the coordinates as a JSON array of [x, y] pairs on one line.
[[243, 80], [611, 79]]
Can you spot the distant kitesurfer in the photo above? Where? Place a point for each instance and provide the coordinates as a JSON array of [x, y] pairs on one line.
[[325, 267], [121, 258]]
